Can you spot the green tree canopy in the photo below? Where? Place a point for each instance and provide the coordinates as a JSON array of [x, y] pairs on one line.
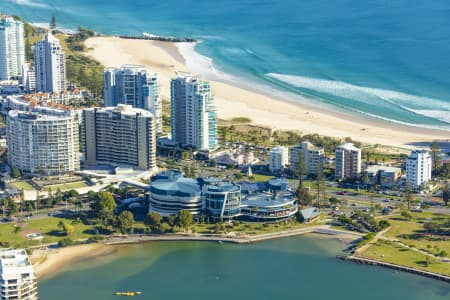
[[153, 220], [125, 221], [184, 219]]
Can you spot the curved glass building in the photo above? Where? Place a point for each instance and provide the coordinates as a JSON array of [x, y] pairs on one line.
[[267, 207], [222, 199], [171, 192]]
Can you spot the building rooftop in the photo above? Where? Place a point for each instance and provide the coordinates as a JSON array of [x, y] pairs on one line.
[[377, 168], [13, 259], [349, 147], [173, 183], [268, 200], [309, 213], [123, 109]]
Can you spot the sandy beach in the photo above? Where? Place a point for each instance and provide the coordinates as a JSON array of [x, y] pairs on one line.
[[48, 262], [233, 101]]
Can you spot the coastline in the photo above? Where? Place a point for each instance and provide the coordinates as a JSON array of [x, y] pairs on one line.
[[238, 100], [49, 262]]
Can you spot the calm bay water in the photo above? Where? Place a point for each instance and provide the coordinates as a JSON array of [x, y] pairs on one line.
[[292, 268], [385, 59]]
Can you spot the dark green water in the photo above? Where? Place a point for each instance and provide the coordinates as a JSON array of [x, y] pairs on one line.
[[292, 268]]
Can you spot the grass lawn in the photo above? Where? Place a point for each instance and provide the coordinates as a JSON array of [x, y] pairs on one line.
[[67, 186], [389, 252], [46, 226], [411, 232], [23, 185], [259, 177]]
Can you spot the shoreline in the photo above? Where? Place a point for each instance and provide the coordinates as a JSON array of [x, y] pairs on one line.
[[50, 262], [264, 109]]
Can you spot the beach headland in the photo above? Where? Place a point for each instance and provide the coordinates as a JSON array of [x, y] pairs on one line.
[[264, 109]]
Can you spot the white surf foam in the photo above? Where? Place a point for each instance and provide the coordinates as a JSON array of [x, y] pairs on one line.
[[430, 107], [30, 3]]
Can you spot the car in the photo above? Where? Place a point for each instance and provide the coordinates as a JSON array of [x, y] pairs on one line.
[[336, 208], [353, 204], [340, 193]]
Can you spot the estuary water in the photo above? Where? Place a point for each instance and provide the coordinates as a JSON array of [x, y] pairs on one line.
[[292, 268], [380, 58]]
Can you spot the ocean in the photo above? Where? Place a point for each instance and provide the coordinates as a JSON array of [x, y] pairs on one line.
[[377, 58], [290, 269]]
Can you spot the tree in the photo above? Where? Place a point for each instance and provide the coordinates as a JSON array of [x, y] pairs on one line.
[[104, 205], [408, 195], [171, 219], [164, 227], [125, 221], [406, 214], [320, 185], [446, 193], [184, 219], [66, 228], [53, 23], [153, 221], [16, 173], [303, 196], [436, 156]]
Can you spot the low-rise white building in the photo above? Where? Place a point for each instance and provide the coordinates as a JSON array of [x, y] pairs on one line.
[[17, 278], [418, 168], [279, 159]]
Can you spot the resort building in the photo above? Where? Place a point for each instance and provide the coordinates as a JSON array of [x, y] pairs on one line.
[[171, 192], [384, 175], [222, 199], [135, 86], [279, 159], [43, 141], [348, 162], [17, 278], [194, 113], [120, 135], [28, 78], [418, 168], [312, 158], [50, 65], [271, 201], [12, 48]]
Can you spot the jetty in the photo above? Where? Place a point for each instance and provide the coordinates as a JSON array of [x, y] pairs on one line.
[[159, 39], [372, 262]]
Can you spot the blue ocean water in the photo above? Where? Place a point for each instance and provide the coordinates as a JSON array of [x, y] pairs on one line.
[[381, 58]]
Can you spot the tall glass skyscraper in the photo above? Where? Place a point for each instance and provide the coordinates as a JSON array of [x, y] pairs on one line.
[[194, 113], [135, 86]]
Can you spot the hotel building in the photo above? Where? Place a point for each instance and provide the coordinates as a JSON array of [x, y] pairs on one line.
[[135, 86], [43, 141], [273, 201], [17, 278], [120, 135], [171, 192], [12, 48], [194, 113], [348, 162], [49, 65], [418, 168], [312, 157], [279, 159]]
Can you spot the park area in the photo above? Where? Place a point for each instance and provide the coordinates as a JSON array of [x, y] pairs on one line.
[[410, 242]]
